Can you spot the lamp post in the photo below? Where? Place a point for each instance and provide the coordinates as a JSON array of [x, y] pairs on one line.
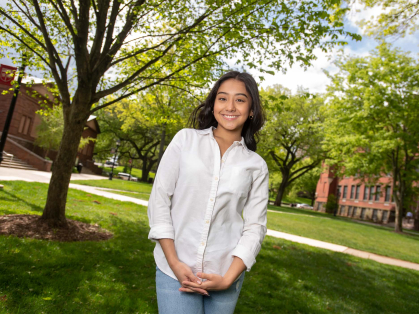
[[118, 142], [11, 108]]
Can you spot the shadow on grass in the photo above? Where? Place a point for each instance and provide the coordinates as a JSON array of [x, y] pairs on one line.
[[80, 277], [118, 275], [300, 279], [14, 198]]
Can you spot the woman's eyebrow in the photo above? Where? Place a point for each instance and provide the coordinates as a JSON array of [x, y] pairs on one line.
[[236, 94]]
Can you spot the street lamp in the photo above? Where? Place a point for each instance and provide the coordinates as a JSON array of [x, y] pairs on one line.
[[12, 108], [118, 143]]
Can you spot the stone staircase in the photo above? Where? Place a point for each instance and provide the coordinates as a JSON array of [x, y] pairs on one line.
[[10, 161]]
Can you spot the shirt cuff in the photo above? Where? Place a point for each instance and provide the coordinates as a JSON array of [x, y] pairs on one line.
[[246, 256], [162, 231]]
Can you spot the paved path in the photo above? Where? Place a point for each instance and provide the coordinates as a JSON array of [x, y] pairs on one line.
[[40, 176], [10, 174]]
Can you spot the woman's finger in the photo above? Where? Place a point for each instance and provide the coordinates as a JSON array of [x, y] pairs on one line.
[[200, 291]]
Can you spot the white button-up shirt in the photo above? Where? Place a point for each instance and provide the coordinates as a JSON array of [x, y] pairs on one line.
[[198, 199]]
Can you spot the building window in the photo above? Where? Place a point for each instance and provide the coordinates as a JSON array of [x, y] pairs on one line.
[[363, 213], [385, 215], [25, 123], [388, 193], [366, 189], [374, 215], [354, 211], [345, 191], [349, 211], [342, 210], [22, 124], [372, 193], [377, 193], [358, 189], [339, 191], [352, 191]]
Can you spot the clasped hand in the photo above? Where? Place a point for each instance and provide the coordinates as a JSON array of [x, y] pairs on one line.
[[191, 283]]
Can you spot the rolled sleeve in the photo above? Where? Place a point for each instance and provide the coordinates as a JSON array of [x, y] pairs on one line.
[[255, 219], [159, 204]]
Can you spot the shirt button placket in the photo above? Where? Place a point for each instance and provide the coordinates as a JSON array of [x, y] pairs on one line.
[[210, 207]]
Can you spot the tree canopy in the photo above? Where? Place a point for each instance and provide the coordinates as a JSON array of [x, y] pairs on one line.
[[398, 18], [293, 134], [95, 49], [372, 119]]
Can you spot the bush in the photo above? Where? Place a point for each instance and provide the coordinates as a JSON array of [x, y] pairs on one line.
[[331, 204]]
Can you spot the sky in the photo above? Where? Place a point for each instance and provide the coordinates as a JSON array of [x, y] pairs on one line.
[[313, 78]]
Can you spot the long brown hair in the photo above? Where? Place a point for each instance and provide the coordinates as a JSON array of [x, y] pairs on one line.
[[202, 116]]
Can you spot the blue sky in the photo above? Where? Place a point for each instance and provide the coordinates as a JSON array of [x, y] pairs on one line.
[[314, 79]]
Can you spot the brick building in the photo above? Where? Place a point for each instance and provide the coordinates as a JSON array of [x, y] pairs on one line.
[[22, 131], [357, 199]]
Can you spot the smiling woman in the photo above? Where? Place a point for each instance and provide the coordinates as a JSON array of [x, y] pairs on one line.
[[208, 205]]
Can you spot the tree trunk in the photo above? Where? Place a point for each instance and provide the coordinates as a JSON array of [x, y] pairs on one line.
[[144, 174], [313, 198], [54, 211], [281, 189], [416, 217]]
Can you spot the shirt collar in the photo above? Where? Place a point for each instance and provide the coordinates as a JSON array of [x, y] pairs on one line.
[[210, 131]]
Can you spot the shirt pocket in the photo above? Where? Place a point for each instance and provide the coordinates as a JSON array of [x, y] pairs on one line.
[[240, 180]]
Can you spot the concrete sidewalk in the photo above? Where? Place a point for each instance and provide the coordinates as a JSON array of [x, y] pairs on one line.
[[11, 174], [343, 249], [39, 176]]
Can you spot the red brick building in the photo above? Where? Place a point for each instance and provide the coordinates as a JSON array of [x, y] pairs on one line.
[[22, 131], [357, 199]]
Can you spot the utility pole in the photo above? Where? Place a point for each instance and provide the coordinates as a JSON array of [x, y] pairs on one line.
[[12, 108]]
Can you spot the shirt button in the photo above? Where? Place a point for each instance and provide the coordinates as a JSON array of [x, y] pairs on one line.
[[202, 243], [216, 178], [222, 160], [211, 199], [207, 221]]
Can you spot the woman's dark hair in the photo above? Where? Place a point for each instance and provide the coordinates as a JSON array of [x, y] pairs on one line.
[[202, 116]]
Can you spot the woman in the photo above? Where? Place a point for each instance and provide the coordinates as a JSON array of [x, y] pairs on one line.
[[207, 179]]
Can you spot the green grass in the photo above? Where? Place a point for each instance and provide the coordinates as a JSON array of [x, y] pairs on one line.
[[135, 172], [290, 199], [345, 232], [118, 275], [280, 279], [117, 184], [338, 230]]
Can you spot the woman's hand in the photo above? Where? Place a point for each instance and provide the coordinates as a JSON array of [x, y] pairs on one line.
[[213, 282], [184, 274]]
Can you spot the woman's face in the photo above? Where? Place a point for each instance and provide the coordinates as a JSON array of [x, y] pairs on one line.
[[232, 105]]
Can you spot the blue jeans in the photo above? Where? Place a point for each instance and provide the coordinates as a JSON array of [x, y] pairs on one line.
[[172, 301]]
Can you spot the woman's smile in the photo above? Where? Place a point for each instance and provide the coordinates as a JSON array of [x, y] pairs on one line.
[[230, 117]]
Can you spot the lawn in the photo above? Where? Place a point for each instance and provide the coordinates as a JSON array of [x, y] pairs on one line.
[[118, 184], [117, 276], [311, 224], [344, 231], [135, 172]]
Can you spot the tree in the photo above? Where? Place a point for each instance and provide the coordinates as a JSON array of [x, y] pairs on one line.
[[372, 117], [144, 124], [293, 134], [94, 49], [308, 183], [50, 131], [398, 18]]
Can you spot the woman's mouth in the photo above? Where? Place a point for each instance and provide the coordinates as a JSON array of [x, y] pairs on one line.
[[230, 117]]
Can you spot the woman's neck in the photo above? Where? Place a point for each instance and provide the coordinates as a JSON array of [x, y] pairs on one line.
[[227, 135]]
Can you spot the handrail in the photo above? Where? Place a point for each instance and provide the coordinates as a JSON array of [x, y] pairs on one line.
[[9, 155]]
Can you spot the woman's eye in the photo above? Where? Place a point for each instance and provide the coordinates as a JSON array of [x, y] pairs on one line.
[[221, 98], [240, 100]]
